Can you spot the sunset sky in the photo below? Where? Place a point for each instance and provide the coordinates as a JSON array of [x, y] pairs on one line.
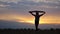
[[18, 10]]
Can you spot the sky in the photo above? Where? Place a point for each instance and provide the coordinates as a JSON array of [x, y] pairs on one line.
[[18, 11]]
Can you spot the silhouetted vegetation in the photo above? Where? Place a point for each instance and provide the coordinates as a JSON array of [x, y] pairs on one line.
[[29, 31]]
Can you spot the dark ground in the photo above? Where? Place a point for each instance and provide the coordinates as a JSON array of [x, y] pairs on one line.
[[29, 31]]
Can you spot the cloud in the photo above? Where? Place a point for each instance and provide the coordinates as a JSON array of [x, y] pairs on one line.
[[24, 6], [36, 1], [14, 24], [1, 5], [28, 4], [15, 1], [46, 1], [18, 25]]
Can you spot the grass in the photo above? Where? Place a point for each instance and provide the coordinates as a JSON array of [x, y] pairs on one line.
[[29, 31]]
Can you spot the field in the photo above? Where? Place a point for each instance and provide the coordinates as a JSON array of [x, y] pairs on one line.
[[29, 31]]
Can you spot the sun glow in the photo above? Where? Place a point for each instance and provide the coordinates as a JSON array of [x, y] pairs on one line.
[[31, 20]]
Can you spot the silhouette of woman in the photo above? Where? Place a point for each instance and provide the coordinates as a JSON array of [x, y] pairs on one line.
[[37, 16]]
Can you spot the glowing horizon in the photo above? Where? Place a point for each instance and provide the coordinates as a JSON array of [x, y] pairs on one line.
[[43, 19]]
